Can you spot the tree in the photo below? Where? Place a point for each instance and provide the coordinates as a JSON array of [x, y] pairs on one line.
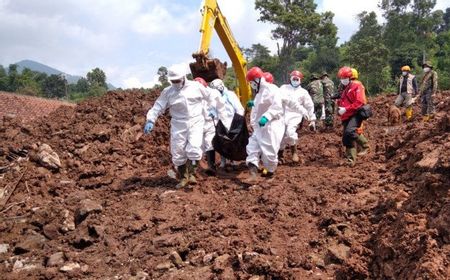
[[162, 73], [97, 77], [259, 55], [297, 25], [54, 86], [12, 78], [366, 52], [3, 79], [82, 85]]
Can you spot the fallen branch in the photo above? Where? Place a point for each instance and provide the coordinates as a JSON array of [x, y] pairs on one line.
[[9, 193]]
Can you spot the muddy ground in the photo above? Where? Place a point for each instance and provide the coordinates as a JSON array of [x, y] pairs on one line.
[[111, 212]]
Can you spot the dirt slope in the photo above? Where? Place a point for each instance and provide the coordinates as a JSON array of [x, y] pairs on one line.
[[111, 212]]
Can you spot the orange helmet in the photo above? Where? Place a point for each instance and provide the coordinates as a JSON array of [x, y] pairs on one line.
[[344, 72], [406, 68], [297, 73], [268, 77], [254, 73], [201, 81]]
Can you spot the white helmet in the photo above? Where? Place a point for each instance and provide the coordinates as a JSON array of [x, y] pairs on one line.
[[176, 72], [217, 84]]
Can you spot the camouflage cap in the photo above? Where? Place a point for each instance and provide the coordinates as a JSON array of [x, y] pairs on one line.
[[427, 63], [314, 76], [324, 73]]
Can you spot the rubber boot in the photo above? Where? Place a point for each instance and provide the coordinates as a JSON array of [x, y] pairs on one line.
[[294, 153], [192, 171], [183, 175], [266, 173], [280, 156], [363, 144], [350, 154], [253, 170], [409, 113], [211, 159]]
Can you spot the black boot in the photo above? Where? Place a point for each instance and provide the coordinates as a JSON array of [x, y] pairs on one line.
[[211, 159], [280, 156]]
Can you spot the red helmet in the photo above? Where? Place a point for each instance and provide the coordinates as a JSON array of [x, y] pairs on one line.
[[268, 77], [297, 74], [345, 72], [201, 81], [254, 73]]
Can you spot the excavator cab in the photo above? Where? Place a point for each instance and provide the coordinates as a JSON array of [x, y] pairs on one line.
[[206, 68]]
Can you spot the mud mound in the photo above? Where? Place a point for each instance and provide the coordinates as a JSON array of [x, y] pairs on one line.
[[110, 211]]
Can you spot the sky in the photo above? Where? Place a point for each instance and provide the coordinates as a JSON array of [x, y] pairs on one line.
[[129, 40]]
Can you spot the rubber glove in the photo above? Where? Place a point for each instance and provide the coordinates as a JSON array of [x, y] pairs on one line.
[[250, 104], [341, 111], [312, 126], [212, 114], [263, 121], [148, 127]]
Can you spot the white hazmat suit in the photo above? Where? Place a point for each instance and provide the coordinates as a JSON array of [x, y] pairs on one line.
[[297, 104], [265, 141], [187, 123]]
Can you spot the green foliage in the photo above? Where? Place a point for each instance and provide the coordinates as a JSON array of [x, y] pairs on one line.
[[55, 86], [96, 90], [97, 77], [82, 85], [162, 73]]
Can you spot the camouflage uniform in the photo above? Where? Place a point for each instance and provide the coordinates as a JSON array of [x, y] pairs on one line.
[[315, 89], [328, 91], [428, 88]]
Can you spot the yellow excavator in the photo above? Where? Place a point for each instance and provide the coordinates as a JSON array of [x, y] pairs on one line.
[[211, 68]]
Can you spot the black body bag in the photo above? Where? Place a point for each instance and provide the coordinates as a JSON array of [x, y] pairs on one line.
[[232, 143]]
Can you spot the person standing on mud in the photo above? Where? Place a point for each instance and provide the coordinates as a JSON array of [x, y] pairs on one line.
[[351, 100], [297, 104], [428, 89], [407, 90], [328, 91], [209, 130], [315, 89], [185, 101], [361, 141], [266, 121]]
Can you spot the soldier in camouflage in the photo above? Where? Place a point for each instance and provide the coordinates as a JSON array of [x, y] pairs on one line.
[[328, 91], [315, 89], [427, 89]]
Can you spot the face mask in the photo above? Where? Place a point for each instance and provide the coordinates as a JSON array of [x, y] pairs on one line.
[[404, 73], [178, 85], [426, 69], [345, 81], [295, 82], [255, 84]]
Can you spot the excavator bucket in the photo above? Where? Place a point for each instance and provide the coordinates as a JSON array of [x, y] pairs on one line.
[[208, 69]]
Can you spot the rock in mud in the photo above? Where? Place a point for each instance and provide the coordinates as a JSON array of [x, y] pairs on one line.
[[55, 259], [87, 206], [31, 242]]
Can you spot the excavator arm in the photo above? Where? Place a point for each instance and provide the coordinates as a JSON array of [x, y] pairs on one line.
[[210, 69]]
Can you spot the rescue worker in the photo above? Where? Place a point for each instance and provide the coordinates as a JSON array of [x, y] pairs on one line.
[[352, 99], [315, 89], [266, 121], [328, 91], [232, 105], [407, 90], [297, 104], [428, 89], [184, 99], [361, 141], [209, 130], [269, 77]]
